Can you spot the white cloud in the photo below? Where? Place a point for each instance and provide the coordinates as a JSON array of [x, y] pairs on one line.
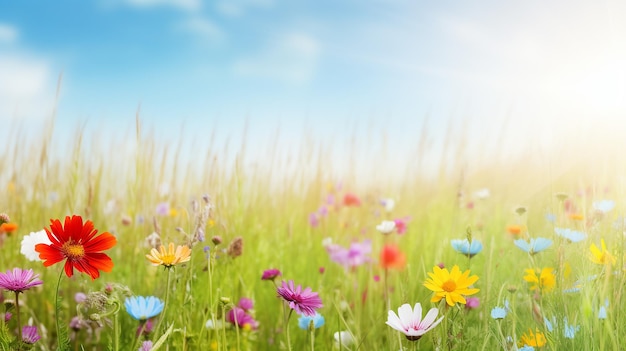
[[187, 5], [237, 8], [8, 33], [202, 27], [292, 58], [26, 90]]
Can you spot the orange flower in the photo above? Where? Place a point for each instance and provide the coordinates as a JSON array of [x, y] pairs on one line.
[[169, 257], [8, 228], [392, 257], [576, 216], [514, 229], [78, 244]]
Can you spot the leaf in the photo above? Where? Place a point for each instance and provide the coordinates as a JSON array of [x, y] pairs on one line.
[[162, 339]]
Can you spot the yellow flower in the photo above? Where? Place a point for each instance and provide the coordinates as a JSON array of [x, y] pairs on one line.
[[534, 339], [545, 282], [169, 257], [601, 257], [453, 285]]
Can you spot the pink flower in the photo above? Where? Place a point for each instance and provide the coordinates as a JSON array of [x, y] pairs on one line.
[[401, 224], [409, 321], [270, 274], [356, 255], [302, 301], [19, 280], [246, 304], [240, 318], [472, 303]]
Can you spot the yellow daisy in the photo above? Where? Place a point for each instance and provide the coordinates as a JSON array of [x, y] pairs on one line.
[[452, 285], [544, 282], [601, 257], [534, 339], [169, 257]]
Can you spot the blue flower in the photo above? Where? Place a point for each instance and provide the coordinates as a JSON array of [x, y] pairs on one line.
[[569, 331], [467, 248], [549, 324], [603, 206], [535, 245], [500, 312], [526, 348], [571, 235], [602, 314], [305, 321], [143, 308]]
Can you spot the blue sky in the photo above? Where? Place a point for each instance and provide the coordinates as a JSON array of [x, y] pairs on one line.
[[323, 66]]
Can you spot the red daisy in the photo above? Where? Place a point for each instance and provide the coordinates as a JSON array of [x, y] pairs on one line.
[[78, 243]]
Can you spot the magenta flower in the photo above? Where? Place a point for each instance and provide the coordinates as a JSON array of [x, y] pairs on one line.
[[270, 274], [356, 255], [241, 319], [401, 224], [146, 346], [472, 303], [304, 302], [30, 335], [19, 280], [246, 304]]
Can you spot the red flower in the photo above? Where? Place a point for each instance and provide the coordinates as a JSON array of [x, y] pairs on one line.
[[78, 243], [350, 199], [392, 257]]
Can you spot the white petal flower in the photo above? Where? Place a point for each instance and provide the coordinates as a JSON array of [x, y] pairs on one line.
[[29, 242], [343, 339], [409, 320], [386, 227]]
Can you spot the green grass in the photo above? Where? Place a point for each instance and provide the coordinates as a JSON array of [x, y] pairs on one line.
[[267, 204]]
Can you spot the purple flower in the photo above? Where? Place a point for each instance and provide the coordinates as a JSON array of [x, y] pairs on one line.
[[145, 346], [163, 209], [19, 280], [304, 302], [313, 220], [356, 255], [146, 328], [80, 297], [270, 274], [241, 319], [246, 304], [472, 303], [30, 335], [7, 317]]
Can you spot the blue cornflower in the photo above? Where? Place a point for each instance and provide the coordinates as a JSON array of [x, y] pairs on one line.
[[466, 247], [571, 235], [602, 314], [569, 330], [526, 348], [603, 206], [500, 312], [143, 308], [535, 245], [305, 321]]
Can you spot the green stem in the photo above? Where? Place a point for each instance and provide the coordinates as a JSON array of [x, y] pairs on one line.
[[57, 309], [167, 295], [312, 337], [116, 332], [17, 312], [142, 325], [287, 329]]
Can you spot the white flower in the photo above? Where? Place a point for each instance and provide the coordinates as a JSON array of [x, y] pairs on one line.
[[29, 242], [482, 193], [409, 321], [218, 325], [343, 339], [386, 227], [388, 204], [327, 242]]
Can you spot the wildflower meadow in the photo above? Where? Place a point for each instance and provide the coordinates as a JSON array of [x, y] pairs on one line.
[[101, 252]]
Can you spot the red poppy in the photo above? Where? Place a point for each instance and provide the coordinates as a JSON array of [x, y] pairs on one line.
[[392, 257], [350, 199], [78, 244]]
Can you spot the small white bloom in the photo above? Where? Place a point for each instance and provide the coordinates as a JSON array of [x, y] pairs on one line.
[[482, 193], [388, 204], [29, 242], [386, 227], [409, 320], [214, 326], [164, 189], [327, 242], [343, 339]]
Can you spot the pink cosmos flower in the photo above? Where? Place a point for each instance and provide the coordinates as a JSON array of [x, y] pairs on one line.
[[304, 302], [30, 335], [240, 318], [19, 280], [409, 321], [356, 255]]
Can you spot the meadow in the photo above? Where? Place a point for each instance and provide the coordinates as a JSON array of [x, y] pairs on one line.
[[515, 253]]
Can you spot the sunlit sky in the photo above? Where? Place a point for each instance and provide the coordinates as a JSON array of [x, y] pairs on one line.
[[321, 66]]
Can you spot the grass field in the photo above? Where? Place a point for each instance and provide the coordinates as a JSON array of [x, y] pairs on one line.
[[550, 274]]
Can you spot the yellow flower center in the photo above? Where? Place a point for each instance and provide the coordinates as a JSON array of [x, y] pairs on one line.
[[449, 286], [168, 260], [73, 251]]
